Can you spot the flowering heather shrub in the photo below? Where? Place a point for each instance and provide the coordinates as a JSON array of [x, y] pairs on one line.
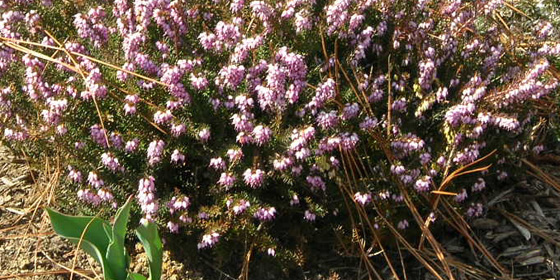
[[239, 119]]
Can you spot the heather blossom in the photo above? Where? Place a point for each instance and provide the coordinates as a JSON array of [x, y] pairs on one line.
[[131, 145], [94, 180], [475, 210], [180, 203], [209, 240], [479, 185], [253, 178], [316, 182], [177, 157], [462, 196], [241, 206], [309, 216], [362, 199], [74, 175], [350, 111], [204, 134], [217, 163], [265, 214], [111, 162], [271, 252], [178, 129], [88, 196], [296, 107], [146, 199], [402, 224], [423, 184], [261, 134], [234, 155], [327, 120], [155, 151]]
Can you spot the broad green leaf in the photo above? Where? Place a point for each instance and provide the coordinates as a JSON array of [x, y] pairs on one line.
[[121, 219], [95, 240], [148, 235], [136, 276], [116, 252]]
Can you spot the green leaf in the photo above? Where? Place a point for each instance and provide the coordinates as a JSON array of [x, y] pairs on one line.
[[148, 235], [136, 276], [116, 252], [95, 240]]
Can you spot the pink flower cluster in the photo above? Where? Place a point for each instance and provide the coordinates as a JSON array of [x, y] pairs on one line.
[[147, 199]]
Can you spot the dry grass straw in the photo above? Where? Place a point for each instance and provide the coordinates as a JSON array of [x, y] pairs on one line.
[[355, 171], [540, 174], [15, 44], [81, 272], [34, 228]]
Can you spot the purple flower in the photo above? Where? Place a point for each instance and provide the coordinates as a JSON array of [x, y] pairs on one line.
[[253, 178], [402, 224], [302, 21], [209, 240], [104, 194], [204, 135], [265, 214], [349, 141], [234, 155], [316, 182], [116, 140], [241, 206], [111, 162], [423, 184], [335, 163], [129, 109], [74, 175], [362, 199], [368, 123], [88, 196], [230, 76], [178, 129], [271, 252], [242, 122], [479, 185], [132, 145], [462, 196], [161, 117], [98, 135], [425, 158], [94, 180], [282, 164], [323, 93], [173, 227], [146, 199], [294, 200], [180, 203], [177, 157], [327, 120], [261, 10], [226, 180], [399, 105], [79, 145], [242, 138], [502, 175], [217, 163], [475, 210], [261, 134], [61, 129], [155, 151], [309, 216]]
